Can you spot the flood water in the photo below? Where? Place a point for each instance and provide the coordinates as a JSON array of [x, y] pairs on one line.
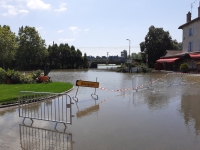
[[164, 115]]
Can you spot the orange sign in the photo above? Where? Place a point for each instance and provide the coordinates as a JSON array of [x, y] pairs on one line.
[[87, 84]]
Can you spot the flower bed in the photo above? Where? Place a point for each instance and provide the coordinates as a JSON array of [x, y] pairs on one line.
[[15, 77]]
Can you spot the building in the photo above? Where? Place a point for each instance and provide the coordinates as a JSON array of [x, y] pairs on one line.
[[191, 34], [124, 54], [190, 53]]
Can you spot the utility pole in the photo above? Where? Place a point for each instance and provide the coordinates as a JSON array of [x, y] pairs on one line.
[[129, 54]]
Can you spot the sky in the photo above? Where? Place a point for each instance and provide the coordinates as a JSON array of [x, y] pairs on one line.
[[97, 27]]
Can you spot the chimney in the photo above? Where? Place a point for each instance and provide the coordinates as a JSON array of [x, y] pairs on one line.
[[188, 17], [199, 11]]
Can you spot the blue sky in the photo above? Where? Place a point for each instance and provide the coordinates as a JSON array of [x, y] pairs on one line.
[[97, 26]]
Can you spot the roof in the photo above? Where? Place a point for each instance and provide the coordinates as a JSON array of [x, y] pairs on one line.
[[172, 52], [167, 60], [195, 55], [179, 55], [196, 19]]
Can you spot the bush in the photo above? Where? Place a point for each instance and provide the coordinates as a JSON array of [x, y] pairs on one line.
[[184, 66], [15, 78], [27, 79], [2, 75]]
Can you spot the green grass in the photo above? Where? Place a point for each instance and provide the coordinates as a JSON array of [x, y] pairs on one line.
[[9, 92]]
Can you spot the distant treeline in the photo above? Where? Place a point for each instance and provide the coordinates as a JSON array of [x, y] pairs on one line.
[[28, 51]]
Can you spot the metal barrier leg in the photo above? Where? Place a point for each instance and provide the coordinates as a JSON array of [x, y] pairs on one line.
[[92, 95], [23, 120], [55, 125], [64, 125]]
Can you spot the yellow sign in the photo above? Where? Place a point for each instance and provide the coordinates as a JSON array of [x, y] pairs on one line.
[[87, 84]]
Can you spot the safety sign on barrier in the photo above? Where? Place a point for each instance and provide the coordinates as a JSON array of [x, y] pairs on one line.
[[87, 84]]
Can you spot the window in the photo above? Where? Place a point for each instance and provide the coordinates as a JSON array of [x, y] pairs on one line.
[[190, 47], [191, 31]]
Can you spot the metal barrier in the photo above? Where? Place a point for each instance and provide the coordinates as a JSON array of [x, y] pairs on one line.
[[54, 107], [38, 138], [141, 82]]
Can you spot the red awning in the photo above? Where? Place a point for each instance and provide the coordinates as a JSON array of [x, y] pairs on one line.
[[167, 60], [195, 56]]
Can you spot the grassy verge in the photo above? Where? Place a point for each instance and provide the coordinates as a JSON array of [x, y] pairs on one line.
[[9, 92]]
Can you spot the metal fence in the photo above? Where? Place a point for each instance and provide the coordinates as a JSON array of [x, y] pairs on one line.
[[141, 82], [33, 138], [54, 107]]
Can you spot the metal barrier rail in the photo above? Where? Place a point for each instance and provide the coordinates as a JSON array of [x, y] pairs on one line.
[[38, 138], [54, 107]]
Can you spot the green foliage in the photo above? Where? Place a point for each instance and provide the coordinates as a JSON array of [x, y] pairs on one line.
[[15, 78], [8, 45], [2, 75], [27, 51], [31, 47], [27, 79], [157, 41], [184, 66], [65, 57]]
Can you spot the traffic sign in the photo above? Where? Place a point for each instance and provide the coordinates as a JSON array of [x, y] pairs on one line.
[[87, 84], [129, 61]]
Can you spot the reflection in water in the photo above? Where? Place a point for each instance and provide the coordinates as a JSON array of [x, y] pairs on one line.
[[87, 111], [38, 138], [157, 101], [3, 111], [190, 107]]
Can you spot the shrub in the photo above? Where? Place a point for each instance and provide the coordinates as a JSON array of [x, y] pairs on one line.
[[184, 66], [27, 79], [2, 75], [15, 77], [36, 74]]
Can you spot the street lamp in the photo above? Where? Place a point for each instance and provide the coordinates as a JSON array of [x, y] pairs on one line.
[[129, 53], [129, 47]]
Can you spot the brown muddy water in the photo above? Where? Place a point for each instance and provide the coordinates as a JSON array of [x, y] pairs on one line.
[[164, 116]]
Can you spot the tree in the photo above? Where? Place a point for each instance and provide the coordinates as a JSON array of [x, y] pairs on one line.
[[8, 45], [85, 61], [79, 59], [137, 56], [31, 49], [157, 41], [54, 54], [177, 45]]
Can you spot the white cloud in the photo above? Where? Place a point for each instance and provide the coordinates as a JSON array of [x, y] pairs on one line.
[[66, 40], [73, 28], [11, 10], [23, 11], [39, 28], [38, 4], [62, 8], [60, 31], [86, 30]]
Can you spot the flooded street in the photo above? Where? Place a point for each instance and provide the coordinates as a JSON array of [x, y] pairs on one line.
[[164, 115]]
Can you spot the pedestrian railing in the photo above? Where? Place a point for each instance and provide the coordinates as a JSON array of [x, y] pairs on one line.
[[54, 107]]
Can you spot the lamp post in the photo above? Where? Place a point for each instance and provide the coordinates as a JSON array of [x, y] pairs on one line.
[[129, 47], [129, 53]]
